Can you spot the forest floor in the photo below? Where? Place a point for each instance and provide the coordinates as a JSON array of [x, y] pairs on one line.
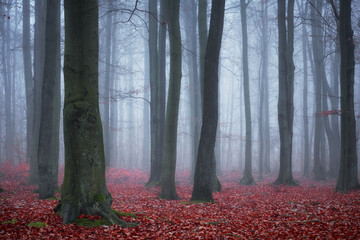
[[312, 210]]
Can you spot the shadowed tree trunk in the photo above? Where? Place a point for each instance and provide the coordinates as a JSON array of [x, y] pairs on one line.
[[319, 163], [28, 77], [286, 90], [39, 56], [306, 155], [348, 174], [247, 179], [84, 188], [168, 189], [48, 154], [155, 157], [203, 180]]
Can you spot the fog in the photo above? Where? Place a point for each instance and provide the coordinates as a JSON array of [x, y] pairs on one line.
[[124, 87]]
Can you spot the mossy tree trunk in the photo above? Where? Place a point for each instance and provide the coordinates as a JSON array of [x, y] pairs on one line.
[[168, 189], [48, 153], [247, 179], [84, 189], [205, 169], [348, 174], [286, 90]]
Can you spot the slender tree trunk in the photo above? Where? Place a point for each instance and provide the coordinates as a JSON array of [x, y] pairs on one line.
[[28, 77], [156, 159], [319, 165], [39, 60], [348, 174], [48, 154], [286, 91], [161, 83], [168, 189], [203, 181], [107, 89], [247, 179], [146, 112], [190, 18]]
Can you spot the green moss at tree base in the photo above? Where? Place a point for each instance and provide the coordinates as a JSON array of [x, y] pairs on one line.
[[121, 214], [85, 222]]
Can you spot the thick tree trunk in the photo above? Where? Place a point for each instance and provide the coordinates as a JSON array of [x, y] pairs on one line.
[[348, 174], [247, 179], [168, 189], [48, 154], [84, 187], [286, 91], [203, 180]]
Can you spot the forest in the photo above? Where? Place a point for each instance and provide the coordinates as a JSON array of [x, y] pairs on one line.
[[179, 119]]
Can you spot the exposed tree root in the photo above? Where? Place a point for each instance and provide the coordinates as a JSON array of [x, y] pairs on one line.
[[69, 212]]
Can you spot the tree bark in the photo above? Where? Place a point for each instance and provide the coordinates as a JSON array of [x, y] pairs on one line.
[[84, 188], [39, 59], [168, 189], [286, 91], [28, 77], [155, 157], [348, 174], [203, 180], [247, 179], [48, 154]]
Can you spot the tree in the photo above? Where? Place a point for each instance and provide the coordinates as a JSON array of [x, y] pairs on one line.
[[155, 156], [107, 86], [168, 189], [84, 188], [48, 154], [348, 174], [306, 149], [203, 185], [28, 76], [203, 36], [194, 82], [39, 59], [319, 162], [247, 179], [286, 90]]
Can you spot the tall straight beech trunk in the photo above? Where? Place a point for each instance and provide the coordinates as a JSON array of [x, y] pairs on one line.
[[84, 188], [203, 37], [28, 77], [168, 189], [203, 180], [48, 154], [39, 59], [247, 179], [106, 120], [286, 90], [348, 174], [155, 156], [319, 163]]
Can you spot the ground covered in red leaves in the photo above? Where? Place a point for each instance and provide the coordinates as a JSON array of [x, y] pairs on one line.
[[311, 210]]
